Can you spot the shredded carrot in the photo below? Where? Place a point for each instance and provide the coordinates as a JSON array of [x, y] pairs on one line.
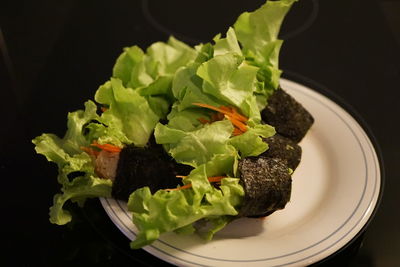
[[203, 120], [103, 109], [240, 125], [107, 147], [181, 176], [90, 151], [179, 188], [239, 116], [230, 113], [208, 106], [224, 110], [237, 132], [215, 179]]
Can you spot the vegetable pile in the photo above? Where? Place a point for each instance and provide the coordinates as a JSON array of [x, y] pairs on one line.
[[178, 132]]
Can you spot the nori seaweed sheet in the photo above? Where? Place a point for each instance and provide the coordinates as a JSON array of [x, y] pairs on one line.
[[283, 148], [148, 166], [288, 116], [267, 185]]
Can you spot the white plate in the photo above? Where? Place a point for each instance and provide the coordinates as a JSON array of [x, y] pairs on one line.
[[335, 190]]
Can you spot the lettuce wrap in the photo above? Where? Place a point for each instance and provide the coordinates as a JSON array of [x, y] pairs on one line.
[[238, 70]]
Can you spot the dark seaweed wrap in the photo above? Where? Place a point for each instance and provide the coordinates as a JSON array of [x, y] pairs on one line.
[[288, 116], [283, 148], [267, 185], [150, 166]]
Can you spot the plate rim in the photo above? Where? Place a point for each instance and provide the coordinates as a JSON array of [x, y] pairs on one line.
[[318, 87], [379, 172]]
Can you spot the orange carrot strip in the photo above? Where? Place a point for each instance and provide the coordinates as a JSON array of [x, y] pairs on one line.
[[90, 151], [224, 110], [103, 109], [179, 188], [181, 176], [237, 123], [212, 108], [234, 113], [237, 131], [203, 121], [107, 147], [239, 116], [215, 179]]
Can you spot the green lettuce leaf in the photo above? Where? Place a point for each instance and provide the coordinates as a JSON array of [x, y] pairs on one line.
[[79, 190], [167, 211], [70, 160], [227, 45], [74, 138], [185, 78], [226, 77], [159, 105], [128, 112], [186, 120], [137, 69], [187, 89], [258, 32], [250, 143], [53, 148], [151, 73], [205, 52], [196, 147], [171, 56], [126, 63], [66, 152]]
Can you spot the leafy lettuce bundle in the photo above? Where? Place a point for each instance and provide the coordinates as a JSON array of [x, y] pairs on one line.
[[238, 70]]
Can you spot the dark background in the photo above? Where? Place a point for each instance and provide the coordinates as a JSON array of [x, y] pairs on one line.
[[55, 54]]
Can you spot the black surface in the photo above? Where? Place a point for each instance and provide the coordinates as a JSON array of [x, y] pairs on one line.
[[56, 53]]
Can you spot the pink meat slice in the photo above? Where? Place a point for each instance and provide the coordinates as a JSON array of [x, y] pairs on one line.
[[106, 164]]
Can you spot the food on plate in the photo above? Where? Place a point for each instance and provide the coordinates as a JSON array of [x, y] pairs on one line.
[[284, 149], [288, 116], [267, 185], [188, 136], [145, 166]]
